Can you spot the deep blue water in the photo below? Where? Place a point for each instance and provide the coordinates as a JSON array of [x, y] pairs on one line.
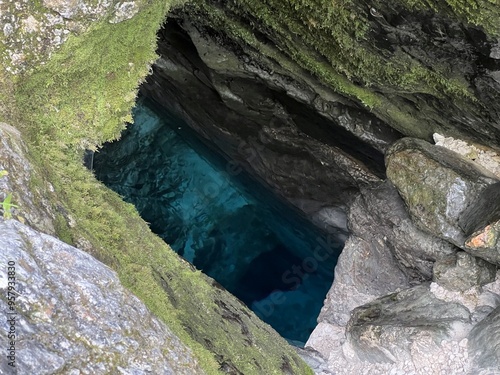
[[226, 224]]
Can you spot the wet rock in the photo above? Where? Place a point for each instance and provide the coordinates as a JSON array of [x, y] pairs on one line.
[[437, 185], [384, 330], [462, 271], [72, 314]]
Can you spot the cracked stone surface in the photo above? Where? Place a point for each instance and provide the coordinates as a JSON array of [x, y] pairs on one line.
[[72, 315]]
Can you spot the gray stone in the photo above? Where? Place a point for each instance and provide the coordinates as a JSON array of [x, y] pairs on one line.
[[484, 345], [72, 313], [384, 330], [379, 214], [124, 11], [33, 203], [462, 271], [437, 186], [365, 271]]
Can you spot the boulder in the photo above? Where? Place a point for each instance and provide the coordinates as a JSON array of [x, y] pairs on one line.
[[438, 186], [72, 315], [379, 214], [365, 271], [485, 243], [462, 271], [385, 330]]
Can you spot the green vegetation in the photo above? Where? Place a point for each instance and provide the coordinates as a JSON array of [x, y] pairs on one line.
[[336, 42], [330, 39], [7, 204], [80, 98]]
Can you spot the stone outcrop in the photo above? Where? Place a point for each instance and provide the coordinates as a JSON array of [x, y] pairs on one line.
[[32, 32], [72, 315], [484, 348], [365, 327], [485, 243], [379, 215]]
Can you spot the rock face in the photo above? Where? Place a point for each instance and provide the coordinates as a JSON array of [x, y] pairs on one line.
[[379, 318], [462, 271], [269, 124], [73, 316], [32, 32], [438, 187], [384, 330], [308, 98], [484, 340]]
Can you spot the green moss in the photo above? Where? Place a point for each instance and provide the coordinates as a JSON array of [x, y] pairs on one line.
[[63, 231], [81, 98], [334, 42]]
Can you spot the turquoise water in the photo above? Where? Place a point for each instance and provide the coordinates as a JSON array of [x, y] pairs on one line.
[[224, 222]]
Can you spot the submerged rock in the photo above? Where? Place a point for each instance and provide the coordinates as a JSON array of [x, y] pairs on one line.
[[438, 187], [73, 315]]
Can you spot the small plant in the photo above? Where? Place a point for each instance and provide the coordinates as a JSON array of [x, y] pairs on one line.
[[7, 204]]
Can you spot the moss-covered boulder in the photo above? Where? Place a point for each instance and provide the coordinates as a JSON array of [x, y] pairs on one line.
[[437, 185]]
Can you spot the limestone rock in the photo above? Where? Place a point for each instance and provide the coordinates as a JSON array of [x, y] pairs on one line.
[[462, 271], [72, 315], [384, 330], [437, 186]]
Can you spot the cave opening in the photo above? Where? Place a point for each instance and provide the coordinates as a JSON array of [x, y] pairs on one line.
[[222, 220]]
